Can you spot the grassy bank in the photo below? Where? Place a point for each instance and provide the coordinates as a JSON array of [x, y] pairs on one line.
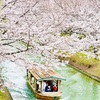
[[2, 95], [84, 62]]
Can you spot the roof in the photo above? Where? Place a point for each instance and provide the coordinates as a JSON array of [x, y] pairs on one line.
[[44, 73]]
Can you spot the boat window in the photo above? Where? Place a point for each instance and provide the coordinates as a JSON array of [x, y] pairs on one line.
[[50, 86]]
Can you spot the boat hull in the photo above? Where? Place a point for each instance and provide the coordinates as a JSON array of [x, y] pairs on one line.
[[46, 96]]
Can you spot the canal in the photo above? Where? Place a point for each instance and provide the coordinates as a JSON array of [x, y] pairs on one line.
[[76, 87]]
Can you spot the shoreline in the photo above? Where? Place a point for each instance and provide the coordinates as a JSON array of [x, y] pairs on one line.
[[83, 71], [90, 71], [6, 93]]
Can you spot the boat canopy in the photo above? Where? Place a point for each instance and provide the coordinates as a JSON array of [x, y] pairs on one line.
[[44, 73]]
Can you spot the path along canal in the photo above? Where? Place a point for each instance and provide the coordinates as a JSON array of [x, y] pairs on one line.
[[76, 87]]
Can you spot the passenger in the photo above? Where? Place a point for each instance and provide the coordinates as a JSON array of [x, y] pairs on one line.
[[46, 88], [49, 83], [55, 89], [49, 89]]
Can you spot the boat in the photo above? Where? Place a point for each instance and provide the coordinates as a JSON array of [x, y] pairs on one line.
[[42, 81]]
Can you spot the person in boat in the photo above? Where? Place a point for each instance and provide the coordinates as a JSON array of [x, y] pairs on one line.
[[46, 88], [50, 83], [55, 88], [49, 89]]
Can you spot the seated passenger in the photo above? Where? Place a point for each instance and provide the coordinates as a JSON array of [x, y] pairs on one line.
[[55, 89], [46, 88], [49, 89]]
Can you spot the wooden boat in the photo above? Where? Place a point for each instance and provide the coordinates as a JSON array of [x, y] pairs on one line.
[[38, 78]]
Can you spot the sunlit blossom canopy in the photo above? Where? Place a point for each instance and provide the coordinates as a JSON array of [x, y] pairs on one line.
[[46, 73]]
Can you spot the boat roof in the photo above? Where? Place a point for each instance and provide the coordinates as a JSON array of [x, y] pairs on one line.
[[44, 73]]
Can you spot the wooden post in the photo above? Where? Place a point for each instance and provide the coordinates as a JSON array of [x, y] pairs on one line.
[[41, 86], [35, 84], [59, 85], [29, 77]]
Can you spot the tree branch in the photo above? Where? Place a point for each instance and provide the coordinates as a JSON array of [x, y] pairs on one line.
[[28, 9], [18, 52]]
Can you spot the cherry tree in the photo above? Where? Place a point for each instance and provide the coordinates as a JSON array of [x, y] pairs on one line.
[[38, 23]]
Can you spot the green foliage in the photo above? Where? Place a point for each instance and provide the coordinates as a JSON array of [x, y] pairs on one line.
[[84, 60], [81, 36], [4, 20], [59, 51], [91, 48], [64, 34], [65, 53], [23, 43], [54, 34], [67, 32]]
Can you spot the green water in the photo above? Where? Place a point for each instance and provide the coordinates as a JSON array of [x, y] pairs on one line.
[[76, 87]]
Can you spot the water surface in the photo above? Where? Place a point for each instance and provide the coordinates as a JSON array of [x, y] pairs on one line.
[[76, 87]]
